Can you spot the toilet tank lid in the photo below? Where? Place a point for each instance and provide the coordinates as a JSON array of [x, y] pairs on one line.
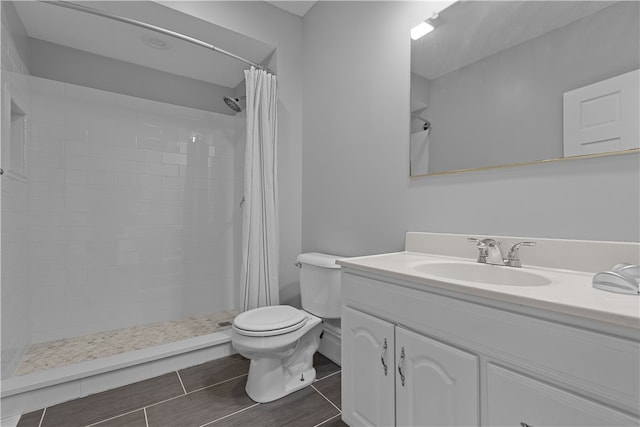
[[319, 260]]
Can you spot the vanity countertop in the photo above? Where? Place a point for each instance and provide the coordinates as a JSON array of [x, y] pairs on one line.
[[570, 292]]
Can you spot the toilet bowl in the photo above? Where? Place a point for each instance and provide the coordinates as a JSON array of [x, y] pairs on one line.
[[281, 340], [281, 359]]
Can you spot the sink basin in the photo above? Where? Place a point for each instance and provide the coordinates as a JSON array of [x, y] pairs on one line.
[[483, 273]]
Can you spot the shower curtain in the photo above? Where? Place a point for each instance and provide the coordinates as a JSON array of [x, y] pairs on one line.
[[259, 269]]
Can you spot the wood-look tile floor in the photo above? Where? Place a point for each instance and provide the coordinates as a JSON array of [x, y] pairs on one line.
[[211, 394]]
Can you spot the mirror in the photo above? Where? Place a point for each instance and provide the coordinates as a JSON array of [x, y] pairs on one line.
[[490, 84]]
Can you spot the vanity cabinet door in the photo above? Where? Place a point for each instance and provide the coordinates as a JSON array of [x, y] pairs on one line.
[[367, 370], [436, 384], [518, 400]]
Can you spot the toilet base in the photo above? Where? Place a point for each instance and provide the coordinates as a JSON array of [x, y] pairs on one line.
[[270, 379], [275, 384]]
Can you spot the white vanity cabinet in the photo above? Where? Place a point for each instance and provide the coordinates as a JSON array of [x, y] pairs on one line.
[[469, 360], [368, 386], [436, 384], [398, 377], [513, 397]]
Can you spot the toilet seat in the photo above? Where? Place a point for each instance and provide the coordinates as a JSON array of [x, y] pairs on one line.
[[269, 321]]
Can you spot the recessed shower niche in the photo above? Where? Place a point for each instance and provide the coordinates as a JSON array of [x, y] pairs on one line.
[[14, 125]]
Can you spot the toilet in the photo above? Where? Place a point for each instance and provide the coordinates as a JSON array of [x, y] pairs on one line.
[[281, 340]]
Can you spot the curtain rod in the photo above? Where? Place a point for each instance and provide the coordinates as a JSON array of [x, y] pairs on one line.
[[155, 28]]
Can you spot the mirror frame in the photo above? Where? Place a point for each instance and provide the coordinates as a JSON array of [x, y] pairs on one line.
[[533, 162]]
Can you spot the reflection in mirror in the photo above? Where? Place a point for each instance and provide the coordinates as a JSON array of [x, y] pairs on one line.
[[488, 84]]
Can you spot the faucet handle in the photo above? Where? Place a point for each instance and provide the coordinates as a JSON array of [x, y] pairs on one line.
[[513, 259], [483, 251]]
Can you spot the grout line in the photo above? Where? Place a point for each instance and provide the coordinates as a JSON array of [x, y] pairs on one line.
[[328, 376], [221, 382], [328, 419], [181, 383], [112, 418], [227, 416], [325, 397], [146, 420], [42, 417], [162, 401], [200, 389]]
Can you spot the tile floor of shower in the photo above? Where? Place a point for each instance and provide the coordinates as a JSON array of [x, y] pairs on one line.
[[69, 351]]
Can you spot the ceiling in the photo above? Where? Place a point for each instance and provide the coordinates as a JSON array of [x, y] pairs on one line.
[[468, 31], [126, 42], [299, 8]]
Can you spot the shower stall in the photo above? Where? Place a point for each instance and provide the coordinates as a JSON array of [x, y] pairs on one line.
[[122, 170]]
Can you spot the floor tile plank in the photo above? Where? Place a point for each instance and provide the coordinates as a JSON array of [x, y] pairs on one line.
[[302, 408], [206, 374], [30, 419], [200, 407], [330, 387], [334, 422], [133, 419], [324, 366], [111, 403]]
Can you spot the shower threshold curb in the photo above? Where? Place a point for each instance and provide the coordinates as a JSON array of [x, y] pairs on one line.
[[56, 385]]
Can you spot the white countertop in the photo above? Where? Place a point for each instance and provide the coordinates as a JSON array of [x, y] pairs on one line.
[[570, 292]]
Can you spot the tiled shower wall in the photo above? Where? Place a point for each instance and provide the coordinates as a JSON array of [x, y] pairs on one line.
[[14, 193], [134, 210]]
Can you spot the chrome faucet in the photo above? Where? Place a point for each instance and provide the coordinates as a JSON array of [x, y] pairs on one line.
[[513, 258], [490, 252], [482, 249]]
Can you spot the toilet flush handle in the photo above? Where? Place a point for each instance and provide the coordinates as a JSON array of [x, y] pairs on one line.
[[298, 264]]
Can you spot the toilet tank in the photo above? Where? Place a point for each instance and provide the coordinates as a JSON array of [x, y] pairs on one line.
[[320, 288]]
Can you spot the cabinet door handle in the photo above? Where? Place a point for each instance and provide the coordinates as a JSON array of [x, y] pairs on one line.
[[402, 379], [382, 357]]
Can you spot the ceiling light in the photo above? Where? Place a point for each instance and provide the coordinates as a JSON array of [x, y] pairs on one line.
[[421, 29], [425, 27]]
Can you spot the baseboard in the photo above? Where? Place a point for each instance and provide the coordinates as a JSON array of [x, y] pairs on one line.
[[330, 344], [10, 422]]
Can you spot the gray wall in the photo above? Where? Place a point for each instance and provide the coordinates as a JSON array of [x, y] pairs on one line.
[[512, 101], [64, 64], [357, 194]]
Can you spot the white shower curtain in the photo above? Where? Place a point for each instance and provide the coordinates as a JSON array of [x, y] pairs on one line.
[[259, 270]]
